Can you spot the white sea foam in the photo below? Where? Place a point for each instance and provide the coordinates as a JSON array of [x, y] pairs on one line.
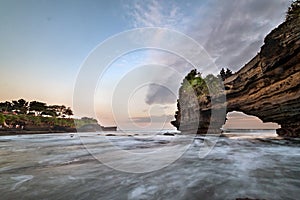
[[20, 180], [254, 168]]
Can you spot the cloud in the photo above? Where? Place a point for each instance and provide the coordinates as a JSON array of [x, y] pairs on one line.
[[234, 30], [155, 13], [231, 31], [159, 95], [152, 119]]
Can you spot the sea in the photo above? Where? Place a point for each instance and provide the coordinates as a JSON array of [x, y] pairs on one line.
[[149, 165]]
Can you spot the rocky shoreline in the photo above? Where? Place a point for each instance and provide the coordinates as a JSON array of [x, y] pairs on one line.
[[54, 129], [41, 130]]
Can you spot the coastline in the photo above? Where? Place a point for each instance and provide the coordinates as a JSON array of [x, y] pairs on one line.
[[27, 132], [56, 129]]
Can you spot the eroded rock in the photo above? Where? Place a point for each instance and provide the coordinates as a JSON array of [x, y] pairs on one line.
[[267, 87]]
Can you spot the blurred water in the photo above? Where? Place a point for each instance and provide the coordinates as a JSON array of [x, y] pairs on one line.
[[57, 166]]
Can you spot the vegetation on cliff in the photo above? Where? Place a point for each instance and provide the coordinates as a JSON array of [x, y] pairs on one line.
[[36, 108], [34, 115], [201, 87], [225, 74], [23, 120], [293, 11], [196, 92]]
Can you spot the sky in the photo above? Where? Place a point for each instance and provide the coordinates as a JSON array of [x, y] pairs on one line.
[[45, 43]]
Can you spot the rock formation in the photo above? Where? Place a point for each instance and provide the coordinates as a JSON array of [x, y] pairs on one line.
[[267, 87]]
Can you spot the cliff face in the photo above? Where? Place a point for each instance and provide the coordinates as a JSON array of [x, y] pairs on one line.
[[267, 87]]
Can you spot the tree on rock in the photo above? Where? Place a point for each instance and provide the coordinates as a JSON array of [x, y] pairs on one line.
[[225, 74], [228, 73], [293, 10], [193, 83], [214, 84]]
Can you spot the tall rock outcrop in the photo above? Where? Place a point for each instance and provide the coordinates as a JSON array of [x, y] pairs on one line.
[[267, 87]]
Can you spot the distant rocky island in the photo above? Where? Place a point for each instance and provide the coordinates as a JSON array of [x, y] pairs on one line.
[[267, 87], [23, 117]]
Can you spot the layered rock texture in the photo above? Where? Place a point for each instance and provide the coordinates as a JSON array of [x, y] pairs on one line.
[[267, 87]]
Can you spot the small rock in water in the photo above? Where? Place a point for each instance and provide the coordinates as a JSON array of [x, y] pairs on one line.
[[110, 134], [169, 134]]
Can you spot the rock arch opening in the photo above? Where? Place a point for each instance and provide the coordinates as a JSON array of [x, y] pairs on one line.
[[240, 122]]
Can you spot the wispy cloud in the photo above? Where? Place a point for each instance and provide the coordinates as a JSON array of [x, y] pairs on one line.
[[159, 95], [155, 13], [152, 119], [231, 31]]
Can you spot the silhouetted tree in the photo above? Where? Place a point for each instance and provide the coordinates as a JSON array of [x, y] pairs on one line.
[[38, 107], [293, 10], [228, 73], [6, 106], [20, 106], [223, 74], [191, 75], [68, 111], [59, 110]]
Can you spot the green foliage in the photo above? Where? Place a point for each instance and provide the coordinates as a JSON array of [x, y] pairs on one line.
[[46, 115], [193, 86], [84, 121], [193, 82], [293, 10], [2, 119], [214, 84], [22, 119], [64, 122], [21, 106], [12, 119]]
